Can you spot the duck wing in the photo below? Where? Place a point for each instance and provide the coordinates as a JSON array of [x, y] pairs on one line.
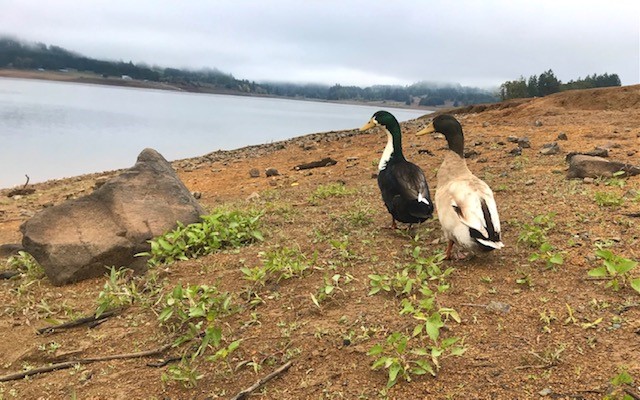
[[411, 183], [473, 202]]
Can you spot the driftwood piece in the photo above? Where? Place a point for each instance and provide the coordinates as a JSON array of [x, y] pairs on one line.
[[72, 363], [325, 162], [244, 393], [91, 320]]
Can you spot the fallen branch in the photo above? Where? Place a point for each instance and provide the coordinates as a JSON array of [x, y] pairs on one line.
[[244, 393], [632, 394], [325, 162], [90, 320], [71, 364]]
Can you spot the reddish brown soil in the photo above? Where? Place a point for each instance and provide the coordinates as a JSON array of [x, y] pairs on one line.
[[509, 355]]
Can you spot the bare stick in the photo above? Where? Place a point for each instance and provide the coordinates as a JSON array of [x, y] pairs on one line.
[[27, 182], [244, 393], [80, 321], [72, 363]]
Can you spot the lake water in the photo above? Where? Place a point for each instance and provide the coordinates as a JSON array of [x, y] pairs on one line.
[[52, 130]]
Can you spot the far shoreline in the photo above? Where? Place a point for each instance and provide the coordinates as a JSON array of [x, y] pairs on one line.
[[95, 79]]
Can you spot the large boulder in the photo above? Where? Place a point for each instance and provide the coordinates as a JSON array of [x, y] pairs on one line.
[[79, 238], [584, 166]]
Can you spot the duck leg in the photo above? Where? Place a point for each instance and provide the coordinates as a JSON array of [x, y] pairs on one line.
[[448, 251], [393, 224]]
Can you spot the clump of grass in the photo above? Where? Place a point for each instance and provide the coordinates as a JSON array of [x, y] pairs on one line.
[[337, 189], [25, 263], [606, 199]]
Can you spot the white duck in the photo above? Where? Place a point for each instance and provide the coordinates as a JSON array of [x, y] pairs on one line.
[[465, 205]]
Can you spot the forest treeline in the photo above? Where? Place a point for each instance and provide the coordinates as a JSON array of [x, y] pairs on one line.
[[18, 54], [547, 83]]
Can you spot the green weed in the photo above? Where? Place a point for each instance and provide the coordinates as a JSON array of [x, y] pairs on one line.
[[616, 269], [606, 199], [547, 253], [535, 233], [217, 231]]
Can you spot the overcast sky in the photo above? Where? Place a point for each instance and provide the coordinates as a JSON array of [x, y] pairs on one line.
[[474, 43]]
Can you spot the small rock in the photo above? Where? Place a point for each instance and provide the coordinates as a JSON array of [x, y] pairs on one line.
[[10, 249], [196, 195], [309, 146], [550, 149], [482, 160], [254, 173], [512, 139], [545, 392], [500, 143], [469, 153], [271, 172], [517, 151], [351, 159], [485, 124], [631, 152], [530, 182], [537, 123], [588, 180], [478, 143], [562, 136], [524, 143]]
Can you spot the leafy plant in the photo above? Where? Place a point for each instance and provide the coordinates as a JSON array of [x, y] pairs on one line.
[[401, 362], [616, 269], [184, 373], [548, 254], [118, 291], [606, 199], [330, 286], [535, 233], [286, 262], [219, 230], [25, 262], [616, 180], [618, 383]]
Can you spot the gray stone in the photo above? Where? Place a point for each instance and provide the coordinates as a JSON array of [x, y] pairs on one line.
[[537, 123], [562, 136], [512, 139], [254, 173], [516, 151], [550, 149], [524, 143], [80, 238], [582, 166], [10, 249], [271, 172]]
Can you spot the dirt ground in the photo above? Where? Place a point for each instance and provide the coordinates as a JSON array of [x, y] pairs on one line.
[[557, 334]]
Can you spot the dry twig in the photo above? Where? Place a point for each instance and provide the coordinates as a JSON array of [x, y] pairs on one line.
[[72, 363], [90, 320], [244, 393]]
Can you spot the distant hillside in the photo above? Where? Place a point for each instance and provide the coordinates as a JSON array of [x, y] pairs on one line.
[[18, 54]]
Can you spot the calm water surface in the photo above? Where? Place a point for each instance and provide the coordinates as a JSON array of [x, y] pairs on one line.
[[52, 130]]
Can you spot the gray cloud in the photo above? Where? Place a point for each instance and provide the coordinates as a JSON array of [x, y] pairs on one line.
[[347, 42]]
